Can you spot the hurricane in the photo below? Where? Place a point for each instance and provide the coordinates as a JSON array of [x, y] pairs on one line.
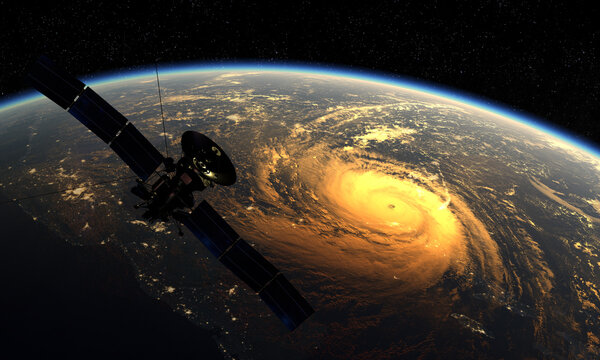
[[364, 218]]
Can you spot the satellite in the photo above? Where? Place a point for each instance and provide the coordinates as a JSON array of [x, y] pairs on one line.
[[166, 188]]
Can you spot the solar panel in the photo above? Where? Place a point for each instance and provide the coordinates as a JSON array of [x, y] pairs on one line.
[[249, 265], [211, 229], [52, 81], [137, 152], [286, 302], [98, 115]]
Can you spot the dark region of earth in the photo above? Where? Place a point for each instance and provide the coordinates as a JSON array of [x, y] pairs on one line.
[[82, 302]]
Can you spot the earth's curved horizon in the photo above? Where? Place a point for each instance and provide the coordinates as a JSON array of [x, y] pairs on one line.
[[429, 88], [416, 224]]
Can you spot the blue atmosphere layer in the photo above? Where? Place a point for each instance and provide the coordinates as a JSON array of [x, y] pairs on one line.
[[371, 76]]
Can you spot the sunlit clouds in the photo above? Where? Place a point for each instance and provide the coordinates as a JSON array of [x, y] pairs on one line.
[[357, 217]]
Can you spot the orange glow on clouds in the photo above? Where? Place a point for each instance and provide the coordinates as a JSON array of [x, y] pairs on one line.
[[354, 217], [402, 226], [399, 208]]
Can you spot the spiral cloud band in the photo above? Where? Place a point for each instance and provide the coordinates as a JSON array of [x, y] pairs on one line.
[[358, 217]]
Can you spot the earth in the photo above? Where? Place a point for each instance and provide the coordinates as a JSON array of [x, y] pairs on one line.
[[416, 226]]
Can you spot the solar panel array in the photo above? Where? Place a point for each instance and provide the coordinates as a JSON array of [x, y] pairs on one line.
[[54, 82], [249, 265], [137, 152], [97, 115]]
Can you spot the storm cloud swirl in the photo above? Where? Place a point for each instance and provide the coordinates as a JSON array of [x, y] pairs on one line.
[[356, 216]]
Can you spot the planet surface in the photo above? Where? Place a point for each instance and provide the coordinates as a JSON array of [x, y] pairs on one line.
[[416, 225]]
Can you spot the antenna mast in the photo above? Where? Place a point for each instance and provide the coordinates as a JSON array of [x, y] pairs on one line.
[[161, 111]]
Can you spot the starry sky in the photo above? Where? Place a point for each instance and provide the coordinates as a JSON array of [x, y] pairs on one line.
[[537, 57]]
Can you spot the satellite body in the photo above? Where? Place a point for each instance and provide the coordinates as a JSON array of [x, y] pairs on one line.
[[166, 187]]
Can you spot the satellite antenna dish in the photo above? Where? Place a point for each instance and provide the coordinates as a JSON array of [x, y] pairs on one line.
[[208, 158]]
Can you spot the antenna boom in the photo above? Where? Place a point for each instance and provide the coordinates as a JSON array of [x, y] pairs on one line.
[[161, 111]]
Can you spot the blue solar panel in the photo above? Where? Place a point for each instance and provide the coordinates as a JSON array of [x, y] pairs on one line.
[[211, 229], [98, 115], [52, 81], [137, 152], [286, 302], [250, 266]]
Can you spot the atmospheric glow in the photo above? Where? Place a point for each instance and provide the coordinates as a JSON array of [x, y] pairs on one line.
[[370, 76]]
